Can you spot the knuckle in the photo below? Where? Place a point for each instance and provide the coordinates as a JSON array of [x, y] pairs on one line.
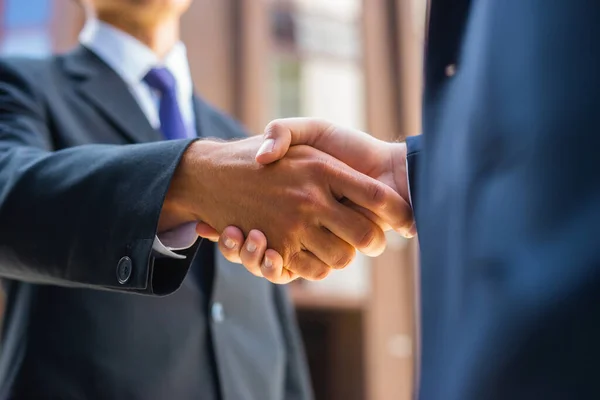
[[343, 260], [296, 227], [326, 166], [378, 195], [308, 198], [314, 162], [367, 238], [321, 274], [275, 127], [271, 275], [293, 262]]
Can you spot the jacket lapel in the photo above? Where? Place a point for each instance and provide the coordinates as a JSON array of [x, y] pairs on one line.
[[201, 117], [212, 124], [101, 86]]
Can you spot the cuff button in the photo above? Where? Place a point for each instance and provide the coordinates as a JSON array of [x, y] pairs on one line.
[[124, 268]]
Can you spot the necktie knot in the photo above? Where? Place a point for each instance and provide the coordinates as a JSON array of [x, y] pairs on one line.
[[171, 121], [160, 79]]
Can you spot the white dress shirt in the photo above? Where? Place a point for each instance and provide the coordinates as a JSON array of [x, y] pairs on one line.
[[132, 60]]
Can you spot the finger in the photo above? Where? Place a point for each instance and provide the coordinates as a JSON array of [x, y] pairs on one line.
[[230, 244], [207, 232], [372, 195], [349, 145], [282, 133], [276, 142], [370, 215], [329, 248], [253, 251], [272, 268], [354, 228], [308, 266], [412, 232]]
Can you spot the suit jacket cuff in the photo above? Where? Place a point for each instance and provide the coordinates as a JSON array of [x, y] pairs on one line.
[[413, 149]]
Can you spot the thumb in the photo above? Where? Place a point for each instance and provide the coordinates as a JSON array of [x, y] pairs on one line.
[[276, 142], [207, 232], [282, 133]]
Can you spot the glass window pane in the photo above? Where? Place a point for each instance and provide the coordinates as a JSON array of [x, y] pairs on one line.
[[318, 34], [348, 10], [26, 13], [286, 87], [31, 43], [333, 90], [283, 26]]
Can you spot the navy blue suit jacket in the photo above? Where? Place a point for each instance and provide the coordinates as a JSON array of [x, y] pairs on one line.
[[507, 201]]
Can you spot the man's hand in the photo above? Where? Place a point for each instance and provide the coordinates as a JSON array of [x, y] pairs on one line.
[[295, 203], [383, 161]]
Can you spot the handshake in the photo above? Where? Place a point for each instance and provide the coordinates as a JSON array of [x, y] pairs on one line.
[[296, 202]]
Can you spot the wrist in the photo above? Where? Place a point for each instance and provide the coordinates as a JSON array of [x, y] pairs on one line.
[[186, 200]]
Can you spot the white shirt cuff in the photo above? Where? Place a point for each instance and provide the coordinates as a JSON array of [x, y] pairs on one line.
[[180, 238]]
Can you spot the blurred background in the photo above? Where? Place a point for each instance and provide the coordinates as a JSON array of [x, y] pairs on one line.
[[356, 62]]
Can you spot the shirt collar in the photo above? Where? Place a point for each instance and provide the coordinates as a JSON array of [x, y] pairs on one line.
[[131, 59]]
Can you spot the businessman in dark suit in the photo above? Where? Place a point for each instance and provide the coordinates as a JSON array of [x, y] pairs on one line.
[[91, 142], [505, 188]]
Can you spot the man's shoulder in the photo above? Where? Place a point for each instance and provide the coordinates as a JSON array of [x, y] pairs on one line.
[[32, 74], [31, 77], [28, 67]]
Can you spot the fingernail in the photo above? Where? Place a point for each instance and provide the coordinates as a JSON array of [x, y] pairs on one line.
[[402, 232], [413, 230], [408, 233], [251, 247], [230, 244], [266, 147], [267, 263]]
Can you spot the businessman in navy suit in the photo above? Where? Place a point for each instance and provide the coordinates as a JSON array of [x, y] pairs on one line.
[[505, 188]]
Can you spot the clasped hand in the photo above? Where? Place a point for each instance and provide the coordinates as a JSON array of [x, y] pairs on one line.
[[330, 190]]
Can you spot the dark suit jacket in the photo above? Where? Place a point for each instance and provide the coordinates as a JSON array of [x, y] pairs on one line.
[[74, 201], [507, 198]]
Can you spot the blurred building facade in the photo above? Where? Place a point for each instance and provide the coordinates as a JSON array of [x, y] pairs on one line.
[[356, 62]]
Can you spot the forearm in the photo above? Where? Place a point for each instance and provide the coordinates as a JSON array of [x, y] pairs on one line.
[[69, 217], [82, 216]]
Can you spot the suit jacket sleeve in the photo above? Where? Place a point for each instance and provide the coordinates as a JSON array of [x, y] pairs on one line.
[[297, 381], [413, 149], [68, 217]]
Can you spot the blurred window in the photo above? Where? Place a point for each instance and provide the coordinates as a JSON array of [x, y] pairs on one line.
[[26, 13], [25, 27], [286, 86], [316, 60]]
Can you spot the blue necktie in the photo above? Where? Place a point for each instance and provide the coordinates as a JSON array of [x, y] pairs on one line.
[[171, 121]]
